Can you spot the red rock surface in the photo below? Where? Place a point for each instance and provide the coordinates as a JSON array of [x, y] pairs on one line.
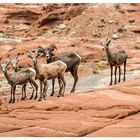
[[95, 109]]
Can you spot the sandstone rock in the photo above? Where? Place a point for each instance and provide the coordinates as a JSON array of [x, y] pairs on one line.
[[121, 29], [55, 30], [111, 21], [85, 113], [73, 33], [57, 13], [131, 20], [115, 36], [62, 26], [3, 35]]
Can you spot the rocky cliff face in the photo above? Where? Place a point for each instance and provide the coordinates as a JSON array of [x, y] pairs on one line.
[[95, 109]]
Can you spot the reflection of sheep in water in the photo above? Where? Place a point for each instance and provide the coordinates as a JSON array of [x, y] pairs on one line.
[[72, 60], [32, 72], [45, 72], [17, 78], [115, 59]]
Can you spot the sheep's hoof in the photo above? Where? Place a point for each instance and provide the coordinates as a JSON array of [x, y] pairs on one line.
[[35, 97], [13, 101], [72, 90], [110, 84], [22, 99], [40, 99], [10, 101], [52, 94], [115, 83], [58, 95], [31, 97]]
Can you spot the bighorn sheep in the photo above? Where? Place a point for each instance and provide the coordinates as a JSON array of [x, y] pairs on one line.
[[72, 60], [17, 78], [115, 59], [32, 72], [48, 71]]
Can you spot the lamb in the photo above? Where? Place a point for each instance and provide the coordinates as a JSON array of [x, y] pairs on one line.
[[115, 59], [32, 72], [48, 71], [17, 78], [72, 60]]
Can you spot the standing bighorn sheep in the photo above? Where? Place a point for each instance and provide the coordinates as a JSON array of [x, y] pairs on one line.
[[17, 78], [115, 59], [48, 71], [32, 72], [72, 60]]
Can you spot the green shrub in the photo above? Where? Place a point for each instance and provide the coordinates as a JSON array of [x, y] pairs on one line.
[[137, 46], [41, 33]]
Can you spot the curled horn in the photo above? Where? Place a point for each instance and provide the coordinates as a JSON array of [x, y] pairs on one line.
[[8, 62], [37, 53], [40, 49], [52, 47], [29, 53]]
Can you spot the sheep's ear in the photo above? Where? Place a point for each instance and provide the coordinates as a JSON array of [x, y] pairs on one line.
[[37, 55], [16, 57], [8, 62], [28, 54], [109, 41]]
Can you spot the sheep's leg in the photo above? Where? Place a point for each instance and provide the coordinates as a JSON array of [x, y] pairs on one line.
[[60, 86], [111, 68], [64, 83], [23, 92], [36, 88], [25, 96], [53, 82], [14, 89], [33, 90], [115, 82], [41, 83], [11, 98], [124, 70], [119, 74], [45, 89], [75, 76]]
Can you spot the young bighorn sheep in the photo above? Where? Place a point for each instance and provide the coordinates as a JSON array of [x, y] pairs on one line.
[[72, 60], [17, 78], [32, 72], [115, 59], [48, 71]]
